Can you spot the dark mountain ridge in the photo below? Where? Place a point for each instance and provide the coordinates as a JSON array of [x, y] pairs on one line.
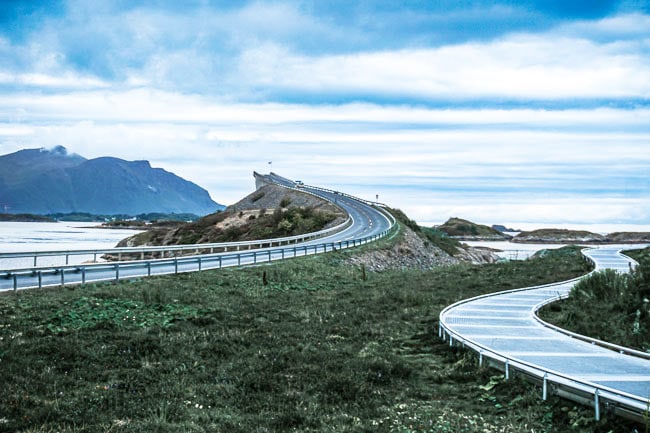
[[44, 181]]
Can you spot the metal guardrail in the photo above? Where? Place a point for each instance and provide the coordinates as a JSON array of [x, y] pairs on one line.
[[615, 347], [579, 390], [174, 249], [209, 248], [76, 274]]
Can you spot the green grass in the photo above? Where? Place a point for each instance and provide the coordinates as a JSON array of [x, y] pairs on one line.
[[317, 348], [623, 299]]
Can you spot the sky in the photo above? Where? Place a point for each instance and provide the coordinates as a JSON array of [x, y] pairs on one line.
[[530, 112]]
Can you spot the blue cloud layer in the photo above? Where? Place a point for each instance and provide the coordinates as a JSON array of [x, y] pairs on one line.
[[478, 108]]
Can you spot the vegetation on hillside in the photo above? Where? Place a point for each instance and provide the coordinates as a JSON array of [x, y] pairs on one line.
[[558, 235], [310, 345], [437, 237], [260, 225], [609, 306], [458, 227]]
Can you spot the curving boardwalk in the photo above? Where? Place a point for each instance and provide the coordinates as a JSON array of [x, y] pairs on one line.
[[504, 329]]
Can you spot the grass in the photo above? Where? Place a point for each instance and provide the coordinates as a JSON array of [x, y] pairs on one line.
[[313, 347], [624, 299]]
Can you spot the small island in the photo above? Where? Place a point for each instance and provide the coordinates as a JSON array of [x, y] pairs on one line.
[[25, 217]]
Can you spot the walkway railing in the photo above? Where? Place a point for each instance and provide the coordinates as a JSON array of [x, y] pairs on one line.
[[565, 385]]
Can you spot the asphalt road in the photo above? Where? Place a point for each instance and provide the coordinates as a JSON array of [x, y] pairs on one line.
[[367, 223]]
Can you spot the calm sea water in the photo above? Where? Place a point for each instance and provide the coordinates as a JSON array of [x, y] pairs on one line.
[[60, 236]]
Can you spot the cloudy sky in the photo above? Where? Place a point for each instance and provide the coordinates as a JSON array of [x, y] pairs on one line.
[[530, 111]]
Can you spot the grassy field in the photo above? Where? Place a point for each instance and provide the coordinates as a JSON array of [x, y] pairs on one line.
[[321, 347], [624, 299]]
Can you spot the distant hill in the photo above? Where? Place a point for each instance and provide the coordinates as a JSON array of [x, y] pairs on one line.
[[564, 236], [466, 230], [41, 181], [557, 236]]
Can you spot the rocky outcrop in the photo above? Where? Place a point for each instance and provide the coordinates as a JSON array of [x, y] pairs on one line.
[[413, 252], [628, 237], [460, 229], [269, 196], [557, 236]]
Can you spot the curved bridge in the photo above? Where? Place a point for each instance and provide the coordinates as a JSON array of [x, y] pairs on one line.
[[507, 334], [367, 222]]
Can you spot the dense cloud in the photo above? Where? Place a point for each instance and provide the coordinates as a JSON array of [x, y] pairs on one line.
[[493, 111]]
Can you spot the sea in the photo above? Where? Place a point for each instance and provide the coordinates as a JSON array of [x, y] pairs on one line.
[[63, 236], [517, 251], [55, 236]]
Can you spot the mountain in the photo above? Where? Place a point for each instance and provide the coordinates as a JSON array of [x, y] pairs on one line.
[[44, 181]]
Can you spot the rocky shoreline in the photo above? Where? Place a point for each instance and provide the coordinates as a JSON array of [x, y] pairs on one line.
[[562, 236]]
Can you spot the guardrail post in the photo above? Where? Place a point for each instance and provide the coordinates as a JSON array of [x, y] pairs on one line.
[[175, 265], [199, 264], [451, 341], [67, 259], [507, 369], [545, 387], [148, 269], [219, 262], [15, 282], [94, 257], [35, 256], [269, 256], [480, 358], [40, 279], [282, 253], [117, 273], [119, 257], [83, 275], [254, 257], [596, 406], [294, 251], [238, 259], [62, 276]]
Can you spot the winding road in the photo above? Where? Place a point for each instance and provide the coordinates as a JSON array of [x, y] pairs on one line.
[[502, 328], [368, 223], [506, 332]]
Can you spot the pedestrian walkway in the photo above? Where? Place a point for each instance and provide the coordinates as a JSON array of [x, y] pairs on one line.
[[504, 329]]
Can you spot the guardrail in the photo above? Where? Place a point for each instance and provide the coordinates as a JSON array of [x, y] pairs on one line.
[[210, 248], [564, 385], [615, 347], [175, 249], [77, 274], [377, 205]]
